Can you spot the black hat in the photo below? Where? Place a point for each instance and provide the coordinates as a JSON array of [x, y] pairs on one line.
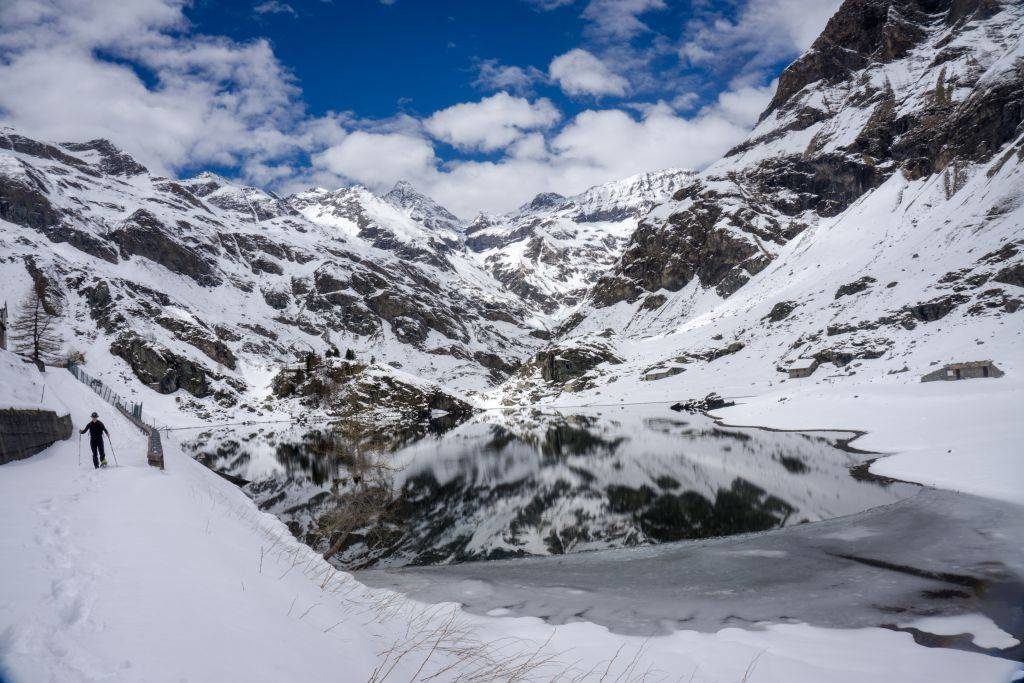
[[94, 415]]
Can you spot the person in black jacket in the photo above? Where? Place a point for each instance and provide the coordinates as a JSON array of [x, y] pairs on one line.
[[96, 431]]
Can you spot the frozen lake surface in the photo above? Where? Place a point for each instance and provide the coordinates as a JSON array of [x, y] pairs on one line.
[[647, 521], [936, 554], [550, 483]]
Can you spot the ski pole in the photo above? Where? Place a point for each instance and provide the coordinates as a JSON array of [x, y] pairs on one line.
[[79, 449], [112, 450]]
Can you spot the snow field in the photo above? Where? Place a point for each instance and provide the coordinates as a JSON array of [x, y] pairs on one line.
[[131, 573]]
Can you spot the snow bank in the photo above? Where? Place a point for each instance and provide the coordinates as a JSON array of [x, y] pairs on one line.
[[22, 386], [130, 573], [963, 436]]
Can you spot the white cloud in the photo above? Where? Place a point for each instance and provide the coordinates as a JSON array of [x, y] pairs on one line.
[[579, 72], [275, 7], [763, 33], [492, 75], [618, 19], [744, 104], [492, 123], [595, 146], [204, 100], [378, 159]]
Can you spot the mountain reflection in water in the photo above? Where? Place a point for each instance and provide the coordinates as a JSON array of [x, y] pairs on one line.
[[537, 483]]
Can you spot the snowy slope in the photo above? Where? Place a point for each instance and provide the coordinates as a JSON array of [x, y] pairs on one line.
[[131, 573]]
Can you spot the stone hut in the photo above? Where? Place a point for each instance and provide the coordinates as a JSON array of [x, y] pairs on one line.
[[802, 367], [968, 370]]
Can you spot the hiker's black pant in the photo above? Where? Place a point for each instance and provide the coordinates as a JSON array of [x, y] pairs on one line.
[[97, 447]]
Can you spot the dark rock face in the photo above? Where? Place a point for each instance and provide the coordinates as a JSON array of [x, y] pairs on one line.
[[561, 365], [34, 148], [354, 391], [868, 30], [277, 299], [723, 247], [545, 200], [143, 235], [855, 287], [692, 244], [653, 302], [82, 241], [161, 368], [972, 130], [101, 305], [780, 311], [936, 309], [1011, 275], [200, 338], [826, 184], [112, 160], [23, 200]]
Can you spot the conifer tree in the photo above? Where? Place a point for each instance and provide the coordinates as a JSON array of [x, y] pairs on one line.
[[34, 332]]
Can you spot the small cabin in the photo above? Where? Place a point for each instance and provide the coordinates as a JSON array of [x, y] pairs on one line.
[[802, 367], [968, 370]]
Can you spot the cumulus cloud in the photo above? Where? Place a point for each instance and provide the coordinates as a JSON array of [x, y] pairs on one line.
[[378, 159], [492, 75], [763, 33], [77, 69], [595, 146], [492, 123], [579, 72], [618, 19]]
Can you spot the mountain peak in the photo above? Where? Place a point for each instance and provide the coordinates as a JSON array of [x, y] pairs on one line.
[[544, 200], [421, 207], [108, 157]]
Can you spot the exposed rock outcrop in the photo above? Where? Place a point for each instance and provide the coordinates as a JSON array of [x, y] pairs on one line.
[[161, 368], [142, 234]]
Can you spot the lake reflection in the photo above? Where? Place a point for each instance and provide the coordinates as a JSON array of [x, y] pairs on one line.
[[536, 483]]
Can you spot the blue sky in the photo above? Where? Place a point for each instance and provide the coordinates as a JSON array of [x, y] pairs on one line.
[[417, 56], [482, 104]]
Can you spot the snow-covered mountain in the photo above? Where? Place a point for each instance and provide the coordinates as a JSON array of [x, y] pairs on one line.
[[554, 248], [208, 286], [421, 208], [872, 221]]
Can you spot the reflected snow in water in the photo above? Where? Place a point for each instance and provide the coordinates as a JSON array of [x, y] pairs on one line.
[[545, 482]]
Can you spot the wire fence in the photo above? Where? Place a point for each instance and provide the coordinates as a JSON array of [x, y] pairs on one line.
[[131, 410]]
